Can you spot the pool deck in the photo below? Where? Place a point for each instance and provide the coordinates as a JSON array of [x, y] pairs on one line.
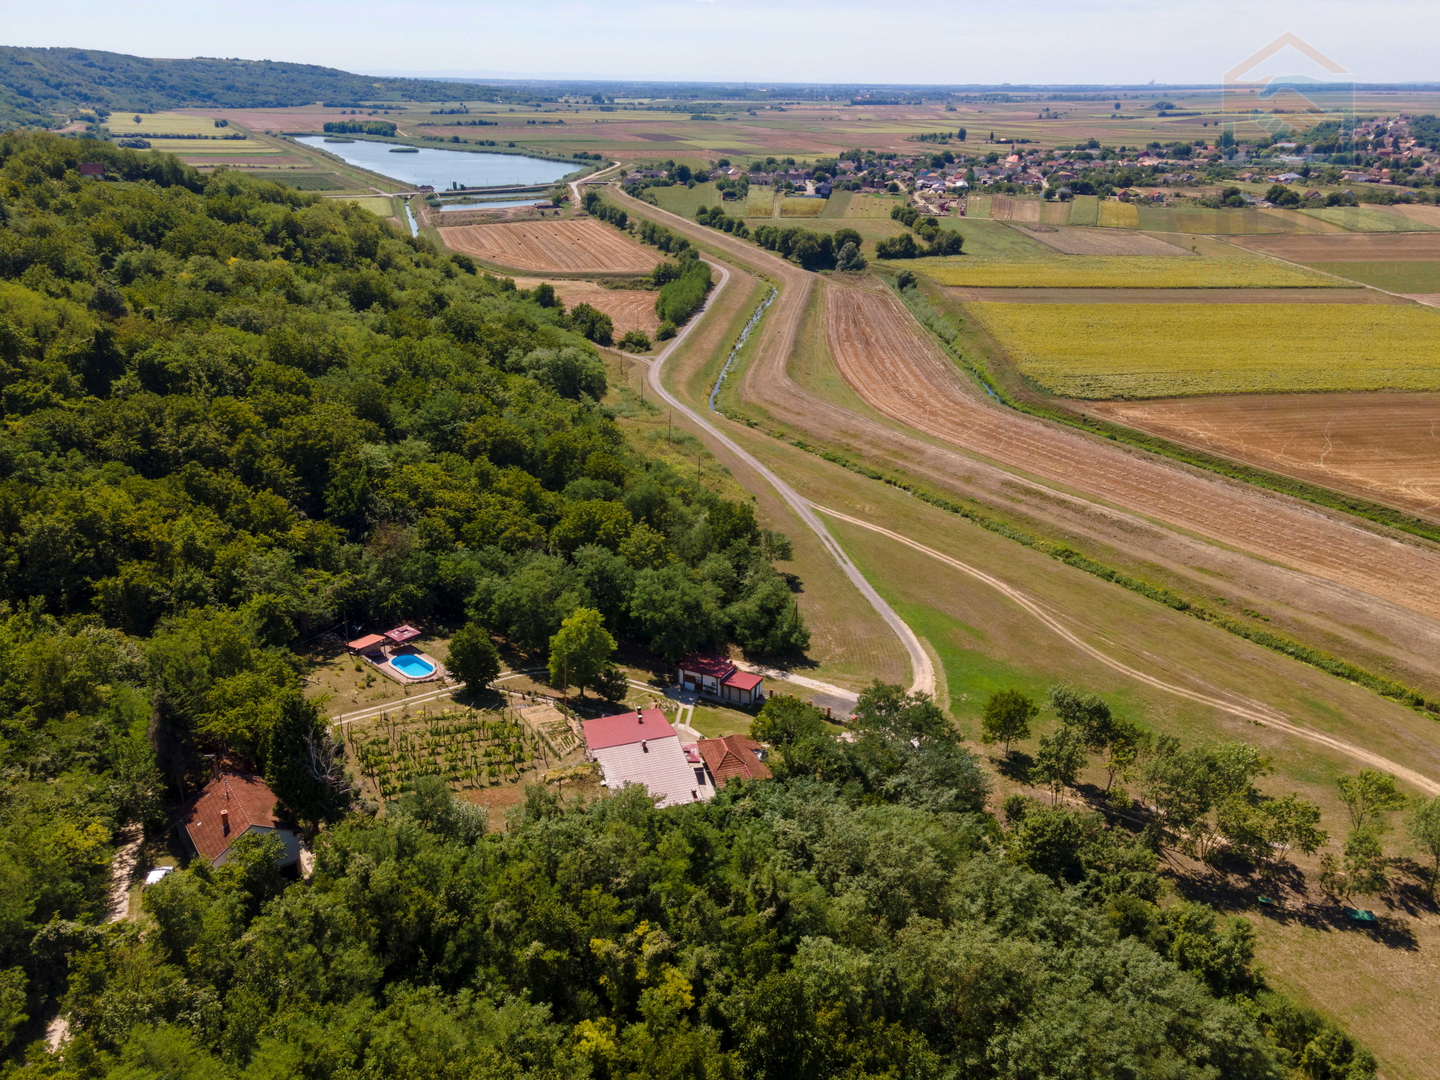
[[380, 660]]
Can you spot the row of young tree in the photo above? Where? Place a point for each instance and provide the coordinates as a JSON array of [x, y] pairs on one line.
[[1203, 801]]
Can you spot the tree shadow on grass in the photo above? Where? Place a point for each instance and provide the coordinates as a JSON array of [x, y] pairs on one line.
[[1236, 888], [1016, 766]]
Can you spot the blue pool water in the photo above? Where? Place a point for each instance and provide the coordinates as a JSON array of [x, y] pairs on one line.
[[412, 666]]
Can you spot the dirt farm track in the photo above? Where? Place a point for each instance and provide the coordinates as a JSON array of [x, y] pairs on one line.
[[585, 246]]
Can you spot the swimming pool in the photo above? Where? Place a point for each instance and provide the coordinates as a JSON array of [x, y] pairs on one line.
[[412, 666]]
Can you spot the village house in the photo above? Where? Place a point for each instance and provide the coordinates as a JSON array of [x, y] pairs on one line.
[[642, 748], [714, 676], [229, 807], [732, 757]]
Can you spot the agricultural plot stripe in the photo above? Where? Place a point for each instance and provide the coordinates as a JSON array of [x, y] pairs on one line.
[[1105, 351], [1254, 711]]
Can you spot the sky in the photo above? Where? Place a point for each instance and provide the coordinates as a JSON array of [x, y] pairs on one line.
[[759, 41]]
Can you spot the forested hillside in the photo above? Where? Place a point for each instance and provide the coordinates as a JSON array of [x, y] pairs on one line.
[[870, 922], [235, 414], [43, 86]]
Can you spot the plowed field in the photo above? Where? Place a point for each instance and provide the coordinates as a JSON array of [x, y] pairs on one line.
[[586, 247], [1384, 447], [629, 309], [1347, 247], [1367, 596], [1074, 241], [898, 371]]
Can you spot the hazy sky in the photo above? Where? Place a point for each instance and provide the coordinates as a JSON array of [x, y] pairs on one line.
[[959, 41]]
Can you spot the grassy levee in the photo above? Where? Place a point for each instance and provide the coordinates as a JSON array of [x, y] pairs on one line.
[[977, 353], [981, 644], [1288, 629], [850, 644]]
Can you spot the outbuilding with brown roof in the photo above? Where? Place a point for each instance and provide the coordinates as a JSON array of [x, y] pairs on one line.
[[227, 808]]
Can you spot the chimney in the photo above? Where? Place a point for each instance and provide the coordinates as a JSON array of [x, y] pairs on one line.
[[644, 746], [639, 715], [224, 821]]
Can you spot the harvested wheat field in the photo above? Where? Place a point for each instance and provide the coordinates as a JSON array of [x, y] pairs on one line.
[[571, 247], [900, 372], [1073, 241], [1346, 247], [973, 295], [1384, 447], [1120, 272], [1132, 351], [629, 309]]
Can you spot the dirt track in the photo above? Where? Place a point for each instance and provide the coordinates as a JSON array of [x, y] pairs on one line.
[[883, 356], [1333, 578], [583, 246]]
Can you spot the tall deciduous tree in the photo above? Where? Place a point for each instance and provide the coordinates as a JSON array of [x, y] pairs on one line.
[[1423, 825], [581, 650], [1058, 761], [1007, 717], [1369, 796], [473, 658]]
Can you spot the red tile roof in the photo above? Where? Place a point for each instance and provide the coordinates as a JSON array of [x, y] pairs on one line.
[[626, 728], [369, 641], [245, 800], [732, 756], [717, 667], [744, 680]]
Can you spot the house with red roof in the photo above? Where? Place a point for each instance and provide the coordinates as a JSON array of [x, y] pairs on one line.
[[642, 748], [733, 757], [227, 808], [714, 676]]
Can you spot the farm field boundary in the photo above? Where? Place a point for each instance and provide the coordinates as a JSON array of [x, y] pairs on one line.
[[1331, 665], [1066, 348], [1171, 271]]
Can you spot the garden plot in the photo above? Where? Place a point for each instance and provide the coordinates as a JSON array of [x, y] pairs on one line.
[[468, 750]]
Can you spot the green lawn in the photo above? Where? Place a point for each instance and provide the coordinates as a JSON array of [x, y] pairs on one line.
[[713, 721]]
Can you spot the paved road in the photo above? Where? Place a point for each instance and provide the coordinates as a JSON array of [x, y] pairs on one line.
[[920, 665]]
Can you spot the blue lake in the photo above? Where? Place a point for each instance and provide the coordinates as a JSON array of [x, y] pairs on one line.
[[441, 168]]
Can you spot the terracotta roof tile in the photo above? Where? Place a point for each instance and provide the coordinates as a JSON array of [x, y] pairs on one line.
[[244, 800], [628, 727], [732, 756]]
